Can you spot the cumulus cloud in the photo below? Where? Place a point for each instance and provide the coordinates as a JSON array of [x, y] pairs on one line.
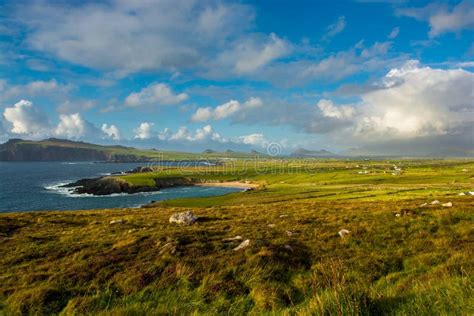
[[26, 119], [256, 139], [155, 94], [142, 35], [418, 101], [111, 131], [203, 134], [143, 131], [225, 110], [71, 126], [441, 18], [328, 109], [410, 102]]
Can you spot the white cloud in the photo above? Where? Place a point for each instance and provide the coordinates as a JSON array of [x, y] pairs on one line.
[[418, 101], [203, 134], [49, 88], [335, 28], [26, 119], [131, 36], [410, 101], [443, 19], [336, 66], [71, 126], [328, 109], [256, 139], [251, 56], [111, 131], [155, 94], [143, 131], [394, 33], [225, 110]]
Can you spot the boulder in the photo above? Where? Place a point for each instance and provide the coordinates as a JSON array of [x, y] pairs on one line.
[[233, 238], [343, 232], [288, 247], [186, 218], [243, 245]]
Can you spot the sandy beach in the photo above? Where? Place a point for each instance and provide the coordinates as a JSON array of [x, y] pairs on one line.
[[230, 184]]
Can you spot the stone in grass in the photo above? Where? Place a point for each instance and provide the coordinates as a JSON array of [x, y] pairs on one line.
[[243, 245], [423, 205], [435, 202], [449, 204], [343, 232], [288, 247], [186, 218], [462, 193], [116, 221], [233, 238], [289, 233]]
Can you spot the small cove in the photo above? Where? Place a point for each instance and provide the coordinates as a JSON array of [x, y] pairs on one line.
[[35, 186]]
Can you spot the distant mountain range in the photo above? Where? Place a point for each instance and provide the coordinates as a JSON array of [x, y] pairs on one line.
[[53, 149], [305, 153]]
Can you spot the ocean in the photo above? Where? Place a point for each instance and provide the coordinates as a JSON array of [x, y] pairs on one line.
[[35, 186]]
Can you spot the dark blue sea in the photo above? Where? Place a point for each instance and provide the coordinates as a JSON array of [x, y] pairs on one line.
[[34, 186]]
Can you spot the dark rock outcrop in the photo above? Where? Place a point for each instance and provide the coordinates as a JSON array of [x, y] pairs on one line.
[[114, 185]]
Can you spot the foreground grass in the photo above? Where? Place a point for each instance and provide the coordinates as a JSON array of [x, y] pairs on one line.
[[420, 262]]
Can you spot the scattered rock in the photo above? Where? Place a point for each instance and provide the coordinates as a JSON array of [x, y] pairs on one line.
[[289, 233], [462, 193], [424, 204], [471, 192], [449, 204], [343, 232], [465, 170], [233, 238], [131, 231], [288, 247], [283, 215], [271, 225], [243, 245], [398, 214], [186, 218], [435, 202], [116, 221]]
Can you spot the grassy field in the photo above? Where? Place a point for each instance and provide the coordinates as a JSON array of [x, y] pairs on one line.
[[400, 258]]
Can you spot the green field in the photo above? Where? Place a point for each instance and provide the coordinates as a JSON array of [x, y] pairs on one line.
[[400, 258]]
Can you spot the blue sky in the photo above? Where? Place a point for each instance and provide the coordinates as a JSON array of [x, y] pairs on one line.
[[376, 76]]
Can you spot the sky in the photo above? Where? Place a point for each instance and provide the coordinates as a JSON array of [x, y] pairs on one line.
[[367, 76]]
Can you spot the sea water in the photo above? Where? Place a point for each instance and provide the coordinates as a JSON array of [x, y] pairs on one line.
[[35, 186]]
